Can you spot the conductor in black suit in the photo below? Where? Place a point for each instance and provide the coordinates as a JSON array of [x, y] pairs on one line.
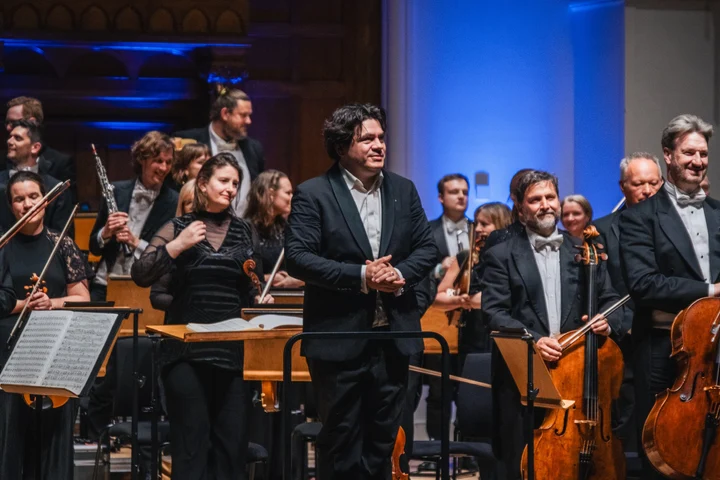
[[230, 117], [670, 248], [533, 281], [359, 238]]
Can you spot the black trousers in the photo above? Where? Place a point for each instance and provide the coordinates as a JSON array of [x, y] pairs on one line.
[[18, 442], [654, 372], [360, 403], [207, 409], [433, 413]]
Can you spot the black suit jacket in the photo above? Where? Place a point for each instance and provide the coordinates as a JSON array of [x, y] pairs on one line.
[[326, 245], [513, 295], [54, 163], [163, 210], [252, 149], [609, 229], [438, 232], [56, 215], [658, 258]]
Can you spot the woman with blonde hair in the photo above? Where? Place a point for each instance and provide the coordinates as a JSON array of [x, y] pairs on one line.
[[268, 208], [576, 214], [186, 198]]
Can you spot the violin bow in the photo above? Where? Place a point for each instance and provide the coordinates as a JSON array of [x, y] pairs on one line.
[[21, 318], [272, 275]]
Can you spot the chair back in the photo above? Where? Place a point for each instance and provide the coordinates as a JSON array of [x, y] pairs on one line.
[[474, 404], [123, 372]]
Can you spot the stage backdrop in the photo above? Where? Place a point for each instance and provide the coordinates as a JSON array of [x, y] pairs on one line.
[[485, 88]]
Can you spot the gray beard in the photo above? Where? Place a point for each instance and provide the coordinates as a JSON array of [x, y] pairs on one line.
[[543, 227]]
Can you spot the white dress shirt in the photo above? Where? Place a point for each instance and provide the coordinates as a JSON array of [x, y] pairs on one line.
[[456, 235], [218, 145], [141, 204], [693, 217], [547, 259]]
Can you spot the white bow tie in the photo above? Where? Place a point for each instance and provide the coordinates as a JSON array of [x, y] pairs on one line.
[[696, 199], [223, 146], [456, 227], [553, 241]]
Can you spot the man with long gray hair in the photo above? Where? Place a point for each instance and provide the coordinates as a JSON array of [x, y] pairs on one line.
[[670, 258]]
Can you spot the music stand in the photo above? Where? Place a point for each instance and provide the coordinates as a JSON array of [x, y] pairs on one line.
[[514, 344]]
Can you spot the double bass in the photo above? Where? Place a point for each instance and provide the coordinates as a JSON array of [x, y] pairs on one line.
[[680, 434], [578, 443]]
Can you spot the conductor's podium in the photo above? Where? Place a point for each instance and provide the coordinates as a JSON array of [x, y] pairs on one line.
[[125, 293]]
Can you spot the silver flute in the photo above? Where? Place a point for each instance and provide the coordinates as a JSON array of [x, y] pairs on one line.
[[107, 191]]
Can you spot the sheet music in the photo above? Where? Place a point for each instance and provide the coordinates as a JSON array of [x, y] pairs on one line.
[[271, 321], [263, 322], [58, 349], [79, 350], [35, 348]]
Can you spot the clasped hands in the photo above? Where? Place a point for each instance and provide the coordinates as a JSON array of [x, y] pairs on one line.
[[550, 349], [381, 276]]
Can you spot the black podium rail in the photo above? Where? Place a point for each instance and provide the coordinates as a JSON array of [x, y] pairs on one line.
[[385, 335]]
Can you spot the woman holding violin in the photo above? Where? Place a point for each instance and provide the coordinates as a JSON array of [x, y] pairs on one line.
[[208, 257], [66, 280], [451, 296]]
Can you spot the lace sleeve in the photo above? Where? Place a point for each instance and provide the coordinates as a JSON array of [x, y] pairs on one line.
[[161, 295], [76, 267], [155, 261]]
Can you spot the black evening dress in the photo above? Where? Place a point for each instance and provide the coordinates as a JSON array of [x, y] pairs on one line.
[[27, 255]]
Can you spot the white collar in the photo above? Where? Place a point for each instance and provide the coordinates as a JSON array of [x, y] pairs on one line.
[[353, 182]]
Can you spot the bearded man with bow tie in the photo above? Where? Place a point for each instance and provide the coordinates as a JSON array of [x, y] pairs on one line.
[[230, 116], [533, 281], [670, 249]]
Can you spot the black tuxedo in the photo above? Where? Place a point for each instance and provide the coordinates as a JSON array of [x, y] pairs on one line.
[[661, 272], [56, 215], [359, 385], [513, 297], [438, 231], [251, 149], [162, 211], [54, 163]]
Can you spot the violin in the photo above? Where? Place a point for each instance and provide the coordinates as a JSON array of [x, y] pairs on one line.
[[578, 443], [461, 285], [249, 268], [398, 451], [680, 434]]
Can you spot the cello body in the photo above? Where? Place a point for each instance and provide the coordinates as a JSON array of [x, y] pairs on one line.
[[563, 432], [676, 435]]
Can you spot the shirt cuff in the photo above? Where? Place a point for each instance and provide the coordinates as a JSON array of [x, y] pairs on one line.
[[401, 290], [363, 280], [142, 245], [100, 239], [711, 290]]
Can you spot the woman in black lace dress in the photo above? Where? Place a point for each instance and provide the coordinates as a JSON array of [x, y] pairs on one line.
[[268, 209], [201, 255], [66, 281]]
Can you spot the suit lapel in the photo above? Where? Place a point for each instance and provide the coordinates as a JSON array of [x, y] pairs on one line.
[[349, 210], [569, 278], [674, 228], [123, 195], [44, 165], [158, 213], [712, 217], [527, 268], [439, 234], [388, 214]]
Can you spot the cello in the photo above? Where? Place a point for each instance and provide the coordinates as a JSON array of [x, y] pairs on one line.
[[578, 443], [688, 413]]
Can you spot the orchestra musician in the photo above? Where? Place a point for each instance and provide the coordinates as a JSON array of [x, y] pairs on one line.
[[359, 238], [144, 205], [66, 280], [230, 117], [201, 255], [24, 147], [187, 164], [640, 179], [576, 214], [670, 257], [533, 281], [49, 161], [269, 205]]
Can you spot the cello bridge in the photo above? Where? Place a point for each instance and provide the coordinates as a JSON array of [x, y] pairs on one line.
[[586, 428]]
